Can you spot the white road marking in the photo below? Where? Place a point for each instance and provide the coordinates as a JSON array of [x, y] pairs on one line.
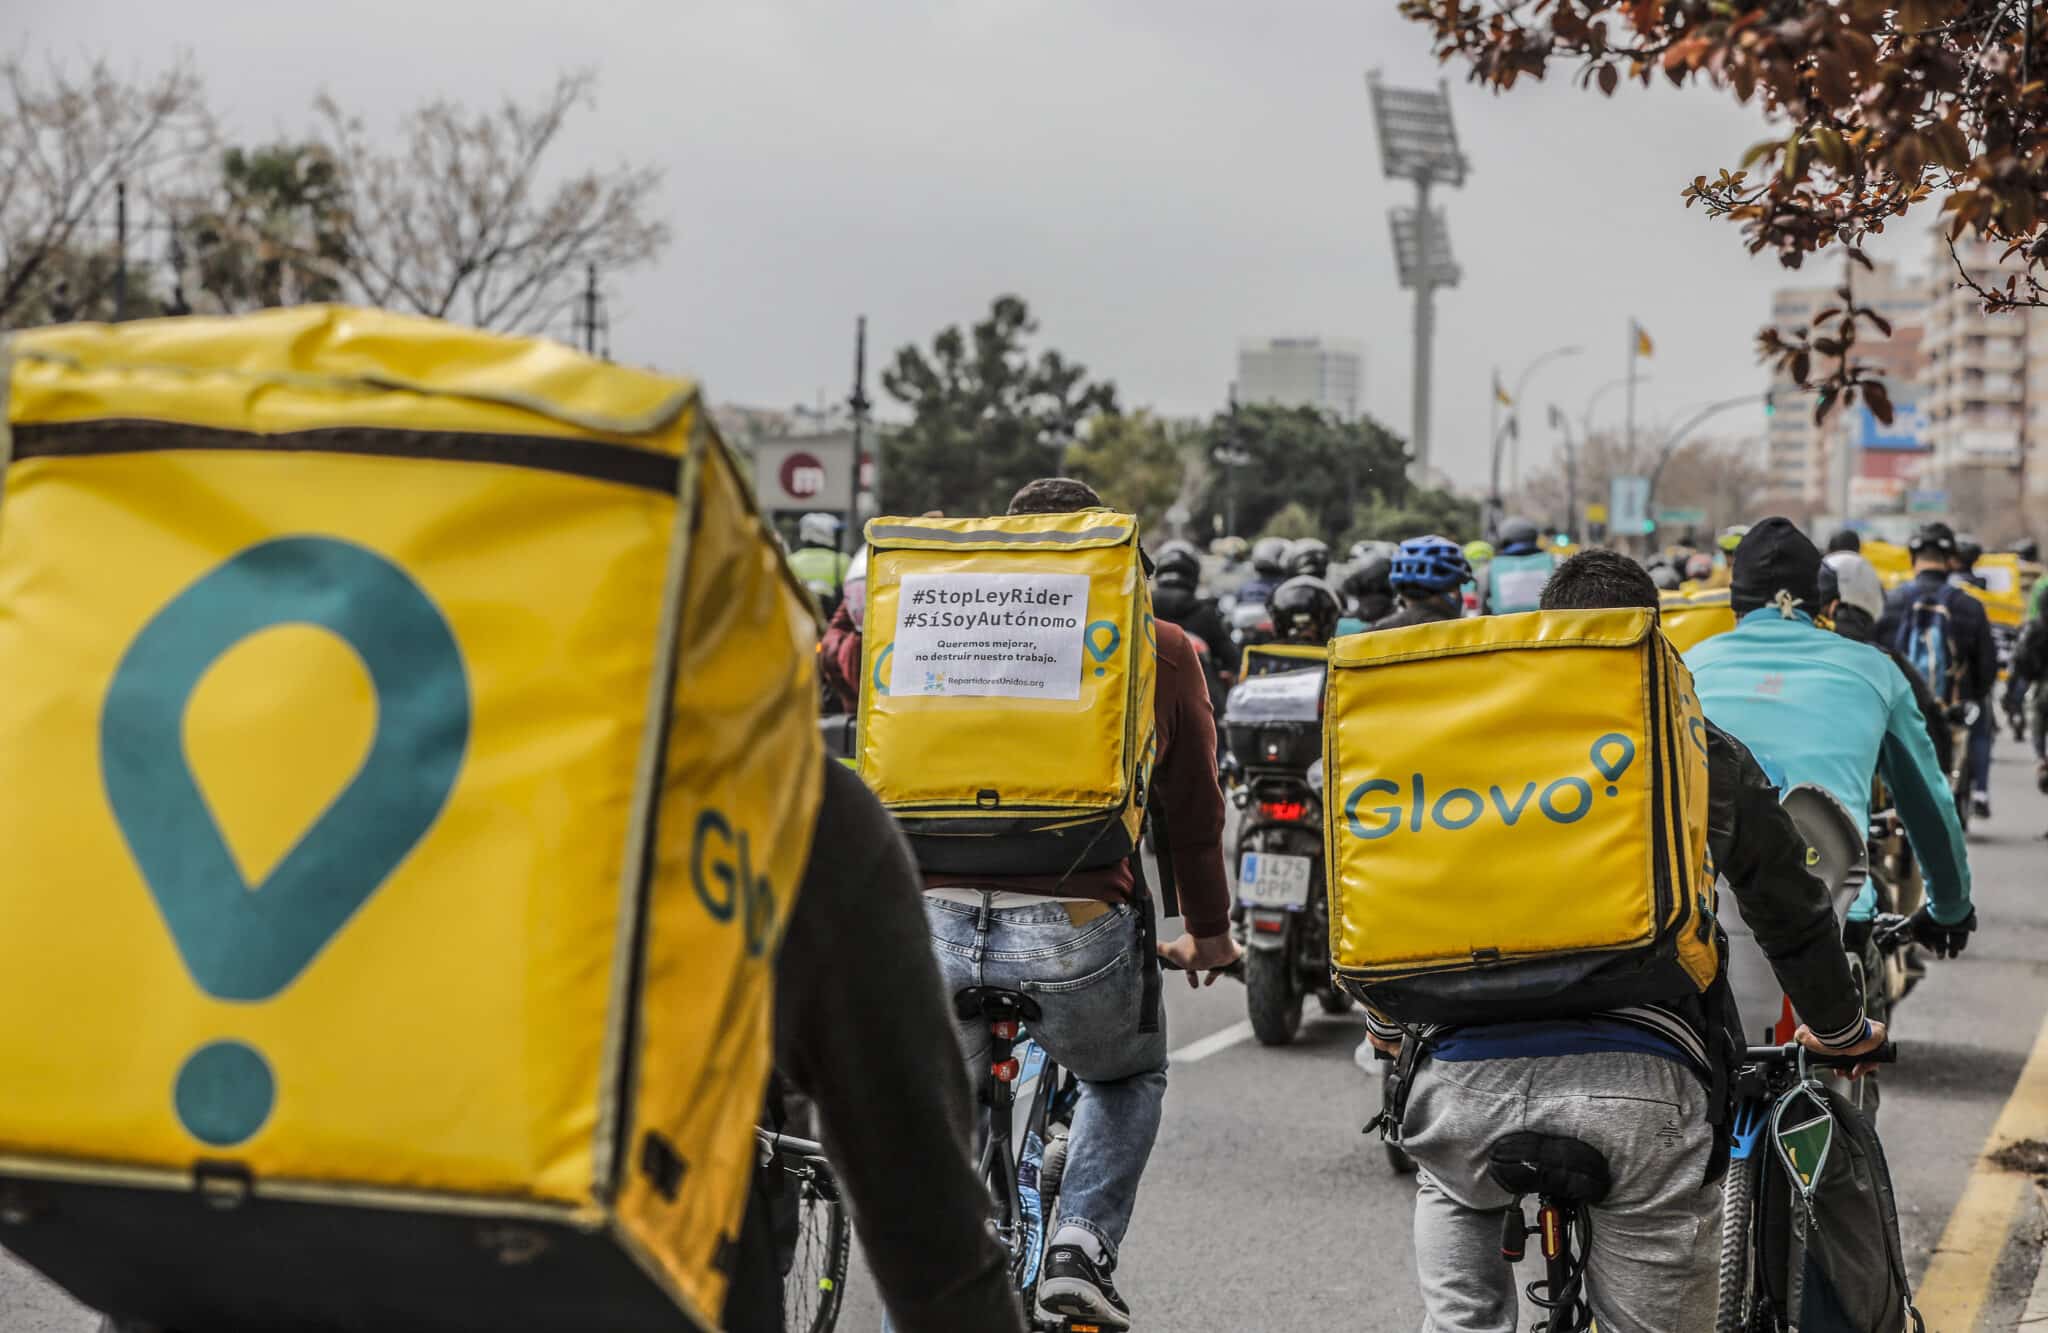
[[1204, 1047]]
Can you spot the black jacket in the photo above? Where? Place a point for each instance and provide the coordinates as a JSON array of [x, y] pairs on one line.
[[863, 1027], [1199, 617], [1975, 654], [1425, 612], [1854, 623], [1760, 852]]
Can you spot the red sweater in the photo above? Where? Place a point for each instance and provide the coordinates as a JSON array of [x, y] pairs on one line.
[[1184, 780]]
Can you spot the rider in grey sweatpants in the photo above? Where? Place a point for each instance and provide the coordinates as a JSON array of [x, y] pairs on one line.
[[1651, 1265]]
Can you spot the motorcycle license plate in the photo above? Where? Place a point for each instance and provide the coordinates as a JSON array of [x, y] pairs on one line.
[[1269, 879]]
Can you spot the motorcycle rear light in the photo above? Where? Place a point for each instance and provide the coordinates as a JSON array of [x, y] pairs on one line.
[[1005, 1071], [1292, 812], [1269, 925], [1004, 1028]]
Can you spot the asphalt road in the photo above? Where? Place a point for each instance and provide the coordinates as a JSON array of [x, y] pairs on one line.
[[1265, 1209]]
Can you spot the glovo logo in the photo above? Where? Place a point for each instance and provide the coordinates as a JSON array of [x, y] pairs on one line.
[[244, 942], [1564, 800], [1103, 638]]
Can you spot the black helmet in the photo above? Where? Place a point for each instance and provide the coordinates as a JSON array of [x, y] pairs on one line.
[[1311, 556], [1938, 537], [1304, 610], [1968, 550], [2027, 549], [1269, 557], [1178, 565], [1518, 532], [1666, 577], [1371, 578]]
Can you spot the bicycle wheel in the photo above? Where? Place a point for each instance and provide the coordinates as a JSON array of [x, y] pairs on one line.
[[815, 1285], [1736, 1285]]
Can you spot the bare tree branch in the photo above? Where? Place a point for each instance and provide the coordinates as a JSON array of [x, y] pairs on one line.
[[462, 216]]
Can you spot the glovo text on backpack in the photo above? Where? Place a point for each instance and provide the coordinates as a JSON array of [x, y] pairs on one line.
[[1516, 818], [407, 768], [1006, 718]]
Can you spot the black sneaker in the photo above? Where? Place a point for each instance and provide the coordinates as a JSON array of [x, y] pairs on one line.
[[1073, 1286], [1981, 806]]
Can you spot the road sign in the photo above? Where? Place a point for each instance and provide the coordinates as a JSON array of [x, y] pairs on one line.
[[1628, 500], [1596, 513], [1689, 517], [809, 472], [1926, 502]]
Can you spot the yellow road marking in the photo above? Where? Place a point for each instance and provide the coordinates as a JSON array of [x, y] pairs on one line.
[[1958, 1278]]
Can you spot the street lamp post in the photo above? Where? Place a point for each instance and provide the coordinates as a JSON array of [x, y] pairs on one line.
[[1513, 429], [1562, 424], [1677, 437], [1593, 400]]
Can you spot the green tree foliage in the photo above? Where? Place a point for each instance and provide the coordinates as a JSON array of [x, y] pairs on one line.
[[987, 416], [1292, 521], [276, 230], [1297, 455], [1134, 462], [1425, 510], [79, 284]]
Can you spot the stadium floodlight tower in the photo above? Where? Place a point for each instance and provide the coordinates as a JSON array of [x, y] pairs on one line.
[[1418, 143]]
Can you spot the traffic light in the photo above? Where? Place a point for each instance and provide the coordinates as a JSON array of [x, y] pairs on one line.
[[1649, 526]]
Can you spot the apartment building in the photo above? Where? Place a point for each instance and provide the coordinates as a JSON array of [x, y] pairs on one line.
[[1986, 397], [1851, 465]]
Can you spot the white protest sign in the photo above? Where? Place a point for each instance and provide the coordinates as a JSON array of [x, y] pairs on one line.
[[1011, 636]]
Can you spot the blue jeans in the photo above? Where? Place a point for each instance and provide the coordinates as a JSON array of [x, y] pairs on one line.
[[1982, 732], [1086, 980]]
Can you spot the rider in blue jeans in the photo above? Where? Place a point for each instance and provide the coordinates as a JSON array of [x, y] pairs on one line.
[[1072, 944]]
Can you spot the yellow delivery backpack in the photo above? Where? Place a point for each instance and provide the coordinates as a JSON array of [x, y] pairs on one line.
[[406, 769], [1516, 818], [1690, 619], [1006, 719]]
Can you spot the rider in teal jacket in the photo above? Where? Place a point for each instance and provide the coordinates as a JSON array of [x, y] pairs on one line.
[[1817, 708], [1516, 574]]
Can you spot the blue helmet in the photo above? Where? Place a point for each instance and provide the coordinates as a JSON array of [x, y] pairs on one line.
[[1430, 564]]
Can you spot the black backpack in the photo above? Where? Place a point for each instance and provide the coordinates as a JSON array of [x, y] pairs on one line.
[[1855, 1262]]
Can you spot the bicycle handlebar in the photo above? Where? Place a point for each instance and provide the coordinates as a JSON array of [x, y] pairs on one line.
[[1887, 1054], [788, 1145], [1234, 969]]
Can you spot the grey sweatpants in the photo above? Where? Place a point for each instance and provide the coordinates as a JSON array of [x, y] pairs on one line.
[[1651, 1267]]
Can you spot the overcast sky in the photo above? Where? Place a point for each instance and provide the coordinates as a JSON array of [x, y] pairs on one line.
[[1158, 178]]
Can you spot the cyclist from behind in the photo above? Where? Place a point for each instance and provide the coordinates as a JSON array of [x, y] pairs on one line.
[[1269, 570], [1519, 569], [817, 559], [1307, 610], [1072, 942], [1638, 1084], [1426, 578], [1852, 598], [1177, 599], [1944, 632], [1368, 594], [1818, 708]]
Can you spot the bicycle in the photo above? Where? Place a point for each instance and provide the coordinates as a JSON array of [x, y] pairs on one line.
[[1567, 1176], [1782, 1116], [1022, 1162], [814, 1260]]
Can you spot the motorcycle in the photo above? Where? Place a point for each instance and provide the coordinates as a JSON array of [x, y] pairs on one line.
[[1273, 727]]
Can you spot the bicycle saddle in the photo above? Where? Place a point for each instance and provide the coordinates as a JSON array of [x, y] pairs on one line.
[[1838, 853], [994, 1003], [1551, 1166]]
